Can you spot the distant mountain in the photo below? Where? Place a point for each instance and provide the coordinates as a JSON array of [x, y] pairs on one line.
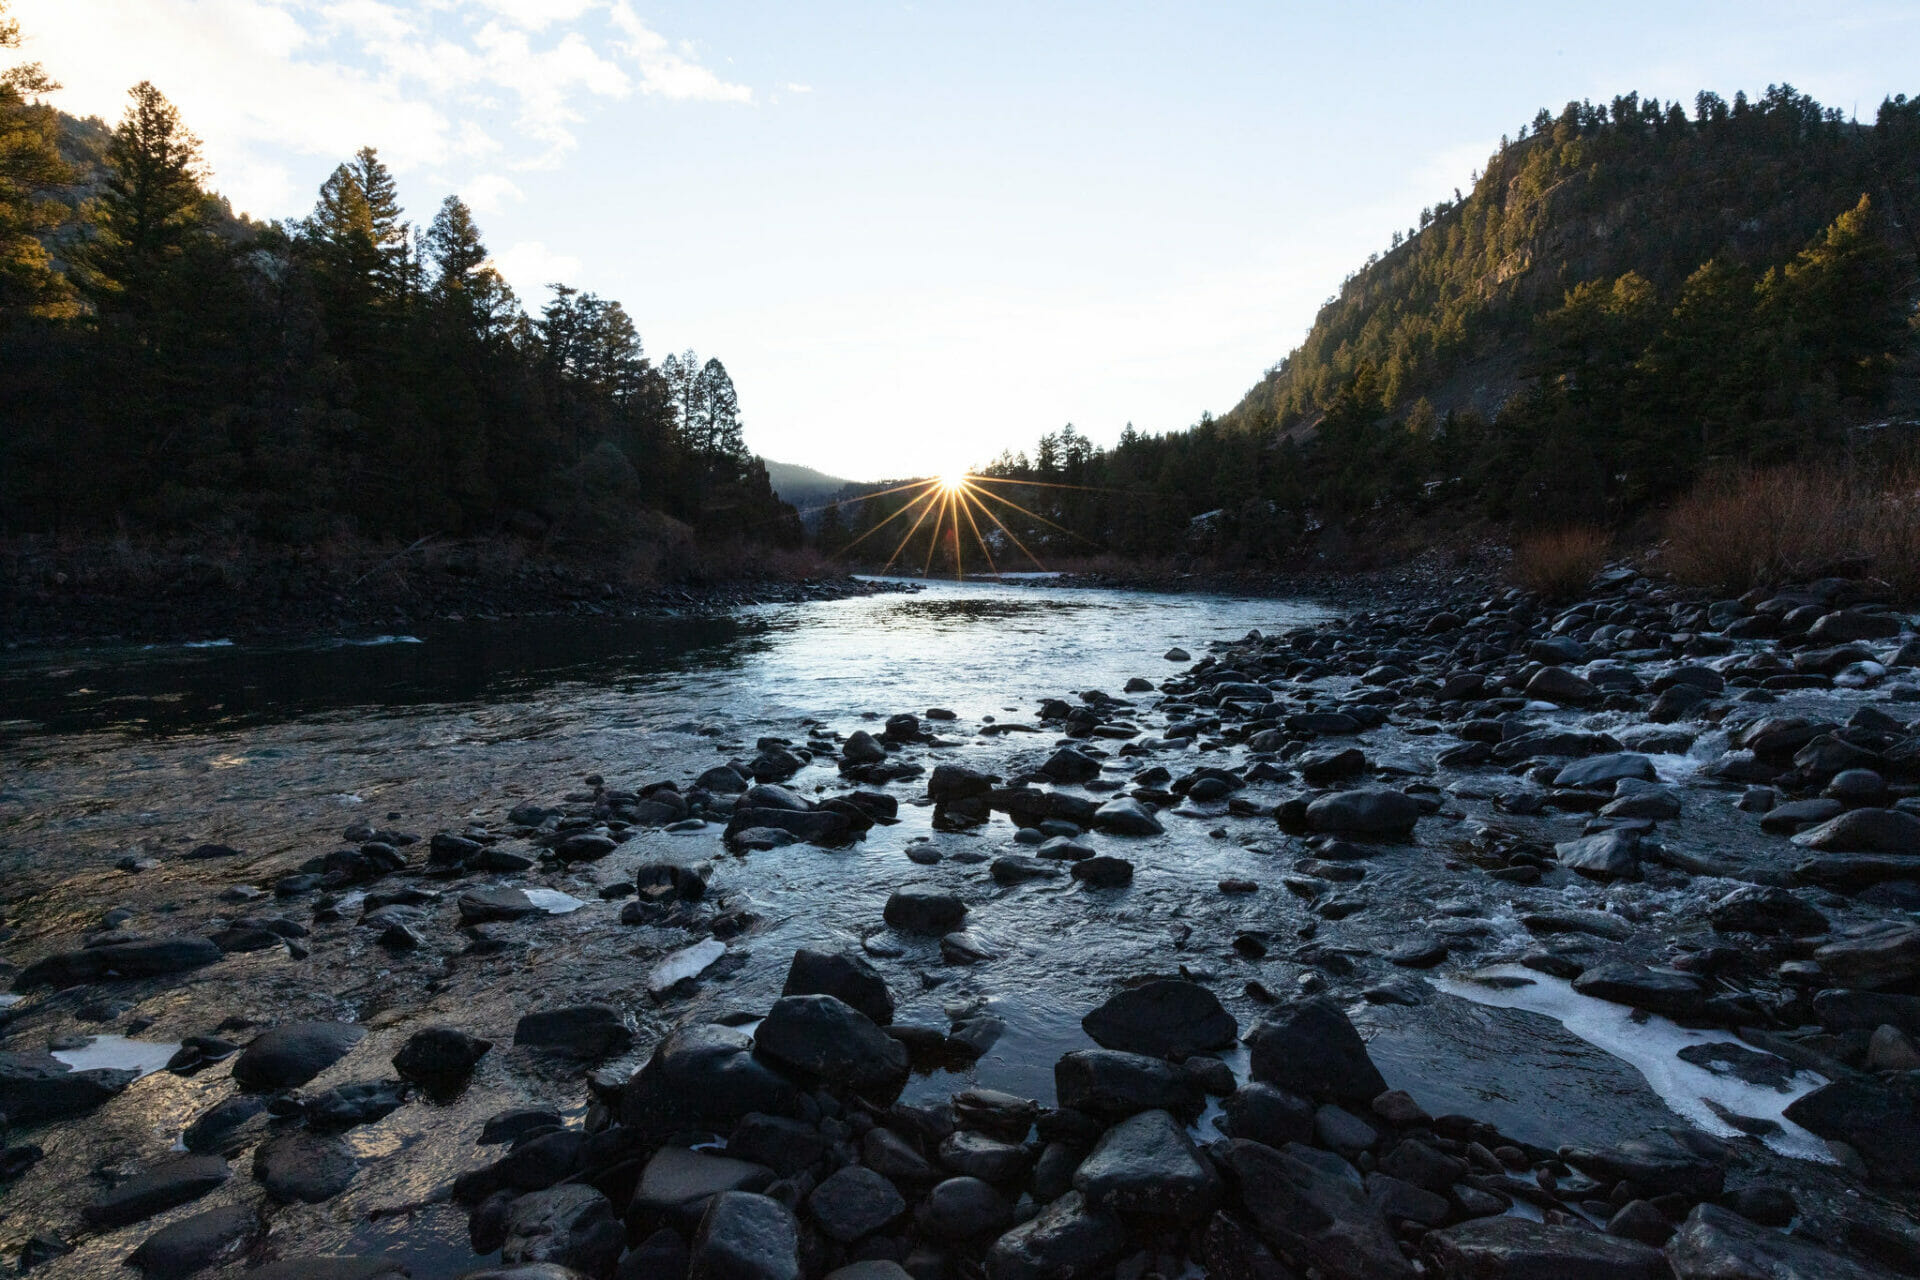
[[804, 487]]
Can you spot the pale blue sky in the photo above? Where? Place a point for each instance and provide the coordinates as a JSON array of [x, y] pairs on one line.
[[919, 233]]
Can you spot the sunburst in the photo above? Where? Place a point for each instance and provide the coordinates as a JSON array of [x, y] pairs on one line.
[[949, 506]]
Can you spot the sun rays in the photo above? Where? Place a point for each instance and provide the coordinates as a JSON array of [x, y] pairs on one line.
[[956, 509]]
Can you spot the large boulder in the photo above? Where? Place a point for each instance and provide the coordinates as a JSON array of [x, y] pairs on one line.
[[288, 1056], [1714, 1244], [36, 1088], [147, 958], [1305, 1209], [844, 976], [1147, 1165], [1310, 1047], [1168, 1018], [831, 1041], [919, 909], [1518, 1249], [1110, 1084], [1068, 1240], [1365, 813], [745, 1236], [1662, 991], [707, 1077]]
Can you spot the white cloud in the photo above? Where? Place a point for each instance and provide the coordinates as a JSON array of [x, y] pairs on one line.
[[790, 87], [260, 80], [530, 267], [490, 192]]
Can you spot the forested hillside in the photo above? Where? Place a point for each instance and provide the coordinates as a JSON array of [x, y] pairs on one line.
[[1631, 295], [169, 369]]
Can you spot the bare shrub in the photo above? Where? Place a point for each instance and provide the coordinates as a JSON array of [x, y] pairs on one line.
[[1561, 563]]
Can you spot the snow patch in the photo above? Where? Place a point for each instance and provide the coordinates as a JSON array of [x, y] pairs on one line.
[[118, 1053], [552, 901]]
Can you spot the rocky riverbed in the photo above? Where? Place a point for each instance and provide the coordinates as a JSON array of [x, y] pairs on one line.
[[1467, 937]]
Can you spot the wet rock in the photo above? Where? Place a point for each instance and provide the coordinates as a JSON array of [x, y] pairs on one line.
[[1147, 1165], [146, 958], [1307, 1210], [1885, 953], [1879, 1122], [194, 1243], [1611, 855], [854, 1202], [831, 1041], [1423, 951], [1068, 1240], [36, 1088], [583, 1031], [1367, 813], [917, 909], [844, 976], [706, 1076], [165, 1186], [1557, 684], [439, 1056], [349, 1105], [1103, 872], [511, 1126], [289, 1056], [1713, 1244], [571, 1225], [212, 1129], [1070, 766], [983, 1156], [1264, 1114], [1112, 1085], [964, 946], [1011, 869], [1518, 1249], [1309, 1047], [950, 782], [744, 1236], [304, 1168], [1126, 817], [1865, 831], [484, 906], [1674, 995], [1168, 1018], [963, 1209], [1766, 910], [1605, 770], [1657, 1164]]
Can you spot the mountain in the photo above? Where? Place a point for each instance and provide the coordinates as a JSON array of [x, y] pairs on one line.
[[804, 487], [1632, 296]]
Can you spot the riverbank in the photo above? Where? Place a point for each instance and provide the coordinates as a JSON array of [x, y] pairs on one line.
[[104, 594], [1050, 932]]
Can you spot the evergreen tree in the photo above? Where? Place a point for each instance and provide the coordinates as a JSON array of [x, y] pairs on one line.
[[151, 210], [31, 170]]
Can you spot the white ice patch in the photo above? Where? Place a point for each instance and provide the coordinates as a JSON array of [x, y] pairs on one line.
[[552, 901], [1653, 1047], [117, 1053], [208, 644], [688, 962], [372, 641], [8, 998], [1675, 767]]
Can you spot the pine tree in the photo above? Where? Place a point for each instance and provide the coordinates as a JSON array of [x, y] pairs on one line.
[[30, 171], [152, 208]]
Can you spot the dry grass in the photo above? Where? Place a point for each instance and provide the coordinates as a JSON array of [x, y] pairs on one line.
[[1560, 564], [1759, 528]]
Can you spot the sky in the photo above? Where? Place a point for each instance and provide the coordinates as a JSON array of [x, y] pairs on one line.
[[918, 234]]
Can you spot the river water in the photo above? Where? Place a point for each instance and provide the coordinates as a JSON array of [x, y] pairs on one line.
[[111, 755]]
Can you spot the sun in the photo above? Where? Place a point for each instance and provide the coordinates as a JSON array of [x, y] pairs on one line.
[[952, 482]]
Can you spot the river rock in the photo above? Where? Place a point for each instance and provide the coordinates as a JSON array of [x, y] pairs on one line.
[[1111, 1084], [36, 1088], [844, 976], [1879, 1122], [304, 1168], [1518, 1249], [854, 1202], [1305, 1209], [146, 958], [584, 1031], [286, 1057], [1557, 684], [744, 1236], [918, 909], [1866, 831], [1147, 1165], [1885, 953], [1126, 817], [165, 1186], [571, 1225], [678, 1184], [1267, 1115], [1071, 766], [706, 1076], [1103, 871], [349, 1105], [962, 1209], [1605, 770], [983, 1156], [1309, 1047], [829, 1040], [439, 1056], [1713, 1244], [1766, 909], [194, 1243], [1168, 1018], [1610, 855], [950, 782], [1674, 995], [1367, 813], [213, 1129], [484, 906], [1657, 1164], [1068, 1240]]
